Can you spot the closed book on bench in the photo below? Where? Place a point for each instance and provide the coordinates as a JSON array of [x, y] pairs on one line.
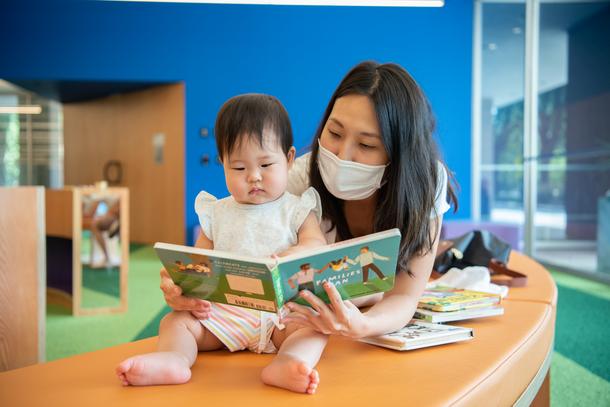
[[459, 315], [419, 334], [453, 299]]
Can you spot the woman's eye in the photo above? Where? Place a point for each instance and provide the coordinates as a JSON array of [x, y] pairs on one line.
[[334, 135], [366, 146]]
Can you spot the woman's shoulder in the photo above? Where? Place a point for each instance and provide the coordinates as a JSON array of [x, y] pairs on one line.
[[440, 199], [298, 176]]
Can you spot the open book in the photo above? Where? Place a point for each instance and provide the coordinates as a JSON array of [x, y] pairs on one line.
[[357, 267], [419, 334]]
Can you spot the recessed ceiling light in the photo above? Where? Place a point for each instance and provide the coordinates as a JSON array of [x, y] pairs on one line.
[[24, 109], [373, 3]]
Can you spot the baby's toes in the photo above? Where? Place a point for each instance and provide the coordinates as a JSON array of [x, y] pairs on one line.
[[123, 379], [311, 389], [314, 377], [314, 381]]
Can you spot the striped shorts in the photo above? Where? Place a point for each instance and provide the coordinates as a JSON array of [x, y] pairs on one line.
[[242, 328]]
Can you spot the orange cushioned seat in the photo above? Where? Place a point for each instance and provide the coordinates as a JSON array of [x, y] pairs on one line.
[[494, 368]]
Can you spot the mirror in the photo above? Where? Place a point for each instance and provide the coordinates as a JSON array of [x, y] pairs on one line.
[[104, 251]]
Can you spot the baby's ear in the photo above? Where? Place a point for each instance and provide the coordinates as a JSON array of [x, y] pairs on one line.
[[290, 156]]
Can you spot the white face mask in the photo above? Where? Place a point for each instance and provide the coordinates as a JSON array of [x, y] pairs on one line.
[[348, 180]]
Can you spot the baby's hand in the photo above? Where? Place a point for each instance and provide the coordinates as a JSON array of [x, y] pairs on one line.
[[174, 298]]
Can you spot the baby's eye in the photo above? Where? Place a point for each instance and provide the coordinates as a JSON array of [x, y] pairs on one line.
[[238, 168], [267, 165]]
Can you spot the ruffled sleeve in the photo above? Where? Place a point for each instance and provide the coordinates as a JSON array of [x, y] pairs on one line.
[[309, 201], [204, 206]]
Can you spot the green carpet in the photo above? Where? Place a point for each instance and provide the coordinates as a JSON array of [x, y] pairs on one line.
[[582, 331], [68, 335], [100, 287], [580, 370]]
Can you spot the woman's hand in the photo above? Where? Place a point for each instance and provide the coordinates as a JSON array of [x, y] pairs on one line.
[[337, 318], [174, 298]]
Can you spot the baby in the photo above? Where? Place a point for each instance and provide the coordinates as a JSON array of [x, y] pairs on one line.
[[259, 218]]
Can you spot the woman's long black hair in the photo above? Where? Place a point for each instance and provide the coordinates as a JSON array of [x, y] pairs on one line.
[[407, 125]]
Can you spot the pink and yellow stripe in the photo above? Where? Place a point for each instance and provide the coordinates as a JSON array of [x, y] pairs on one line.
[[238, 328]]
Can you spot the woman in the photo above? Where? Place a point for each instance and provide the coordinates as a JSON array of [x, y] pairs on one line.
[[375, 165]]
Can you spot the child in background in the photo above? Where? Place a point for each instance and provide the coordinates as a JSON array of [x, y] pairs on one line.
[[254, 140]]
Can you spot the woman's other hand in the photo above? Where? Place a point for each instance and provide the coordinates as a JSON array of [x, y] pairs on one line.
[[337, 318], [174, 298]]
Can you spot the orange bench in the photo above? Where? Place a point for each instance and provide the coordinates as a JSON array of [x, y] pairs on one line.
[[507, 363]]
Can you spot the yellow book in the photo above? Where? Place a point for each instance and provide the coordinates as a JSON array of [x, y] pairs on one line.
[[453, 299]]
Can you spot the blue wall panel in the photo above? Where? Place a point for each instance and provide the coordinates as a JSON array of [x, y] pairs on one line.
[[298, 54]]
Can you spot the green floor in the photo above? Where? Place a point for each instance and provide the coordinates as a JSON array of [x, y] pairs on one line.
[[580, 373], [580, 369], [67, 335]]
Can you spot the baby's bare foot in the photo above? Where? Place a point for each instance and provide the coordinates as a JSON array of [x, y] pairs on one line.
[[291, 374], [154, 368]]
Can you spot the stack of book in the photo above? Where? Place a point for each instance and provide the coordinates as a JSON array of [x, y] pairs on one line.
[[438, 305], [446, 304]]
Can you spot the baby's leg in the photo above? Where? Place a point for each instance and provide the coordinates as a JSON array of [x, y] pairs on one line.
[[181, 336], [293, 366]]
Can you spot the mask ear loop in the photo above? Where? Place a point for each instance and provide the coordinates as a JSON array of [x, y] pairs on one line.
[[384, 179]]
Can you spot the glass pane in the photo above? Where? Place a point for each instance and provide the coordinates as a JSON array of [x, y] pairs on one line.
[[502, 87], [573, 135], [31, 144]]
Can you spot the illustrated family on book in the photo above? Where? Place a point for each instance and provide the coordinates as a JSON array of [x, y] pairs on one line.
[[357, 267]]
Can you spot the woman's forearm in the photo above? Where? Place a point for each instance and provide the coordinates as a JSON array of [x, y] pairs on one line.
[[389, 314], [398, 305]]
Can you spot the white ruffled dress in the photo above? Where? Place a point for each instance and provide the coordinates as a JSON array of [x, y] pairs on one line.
[[253, 230]]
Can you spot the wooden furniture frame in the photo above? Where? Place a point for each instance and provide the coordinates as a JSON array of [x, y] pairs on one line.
[[22, 277], [64, 219]]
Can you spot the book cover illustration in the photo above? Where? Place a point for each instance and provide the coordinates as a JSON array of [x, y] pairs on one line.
[[452, 299], [419, 334], [357, 267]]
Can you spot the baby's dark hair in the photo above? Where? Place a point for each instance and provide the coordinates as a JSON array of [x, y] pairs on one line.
[[247, 115]]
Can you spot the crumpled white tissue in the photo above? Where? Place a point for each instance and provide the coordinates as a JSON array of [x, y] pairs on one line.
[[474, 278]]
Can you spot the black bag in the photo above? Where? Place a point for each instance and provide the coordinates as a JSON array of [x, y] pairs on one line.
[[478, 248]]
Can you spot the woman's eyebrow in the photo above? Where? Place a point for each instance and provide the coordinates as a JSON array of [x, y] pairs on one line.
[[362, 133], [337, 122]]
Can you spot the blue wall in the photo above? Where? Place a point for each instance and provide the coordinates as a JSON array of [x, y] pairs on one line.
[[298, 54]]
